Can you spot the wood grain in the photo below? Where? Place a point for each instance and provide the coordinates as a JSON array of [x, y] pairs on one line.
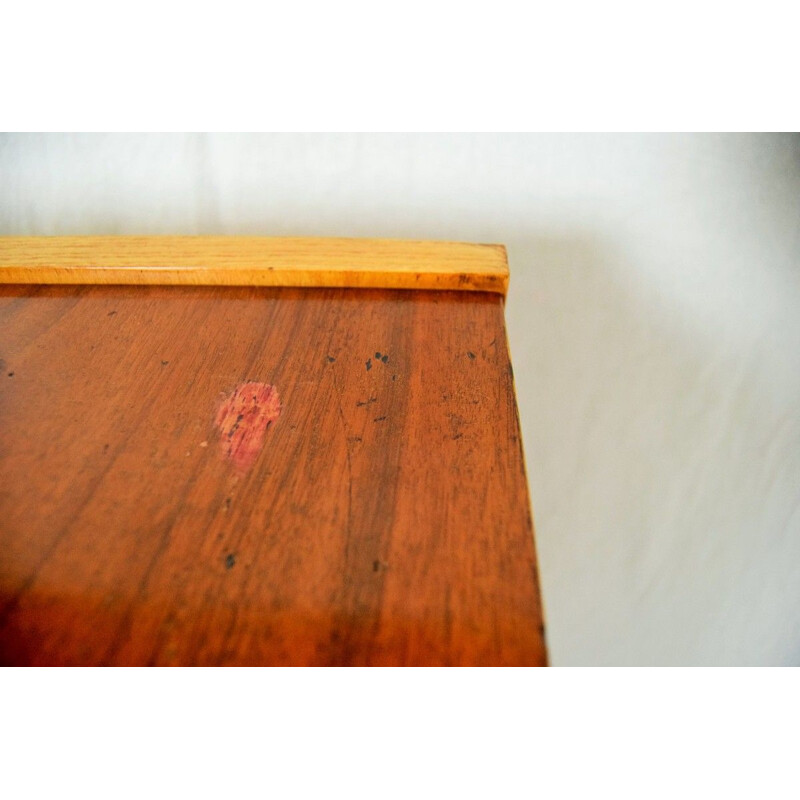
[[253, 261], [384, 519]]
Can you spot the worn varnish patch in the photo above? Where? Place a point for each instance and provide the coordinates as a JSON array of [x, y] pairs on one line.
[[243, 419]]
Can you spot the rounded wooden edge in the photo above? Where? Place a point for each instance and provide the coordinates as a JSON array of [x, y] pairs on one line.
[[254, 261]]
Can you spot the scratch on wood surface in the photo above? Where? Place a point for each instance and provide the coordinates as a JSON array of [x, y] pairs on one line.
[[243, 419]]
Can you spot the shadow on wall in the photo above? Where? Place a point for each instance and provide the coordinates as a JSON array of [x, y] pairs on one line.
[[661, 469]]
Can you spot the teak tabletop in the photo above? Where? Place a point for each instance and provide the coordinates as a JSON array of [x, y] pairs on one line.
[[293, 471]]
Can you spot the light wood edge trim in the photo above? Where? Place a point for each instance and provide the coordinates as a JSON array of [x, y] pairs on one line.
[[253, 261]]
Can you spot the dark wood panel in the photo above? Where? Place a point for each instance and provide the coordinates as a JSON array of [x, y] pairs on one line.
[[261, 476]]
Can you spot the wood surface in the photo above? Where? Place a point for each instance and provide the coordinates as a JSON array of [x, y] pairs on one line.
[[253, 261], [260, 476]]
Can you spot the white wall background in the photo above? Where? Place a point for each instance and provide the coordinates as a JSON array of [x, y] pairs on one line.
[[654, 317]]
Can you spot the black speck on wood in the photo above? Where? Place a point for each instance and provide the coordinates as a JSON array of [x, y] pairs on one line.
[[230, 560], [331, 359], [369, 364], [471, 354]]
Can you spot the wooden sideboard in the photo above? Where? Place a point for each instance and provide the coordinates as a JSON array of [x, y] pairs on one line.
[[244, 451]]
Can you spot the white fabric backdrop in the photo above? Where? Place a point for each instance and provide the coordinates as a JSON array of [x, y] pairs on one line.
[[654, 317]]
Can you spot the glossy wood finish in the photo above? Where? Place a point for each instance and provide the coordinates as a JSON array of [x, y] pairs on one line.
[[384, 518], [253, 261]]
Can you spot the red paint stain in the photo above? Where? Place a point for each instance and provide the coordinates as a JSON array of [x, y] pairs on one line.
[[243, 419]]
